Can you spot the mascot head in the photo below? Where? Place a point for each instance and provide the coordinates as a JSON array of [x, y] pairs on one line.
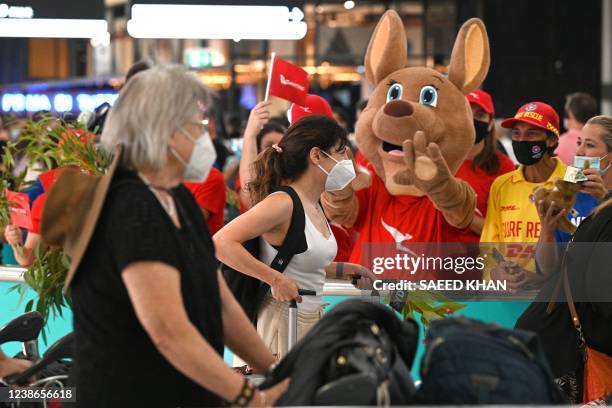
[[406, 100]]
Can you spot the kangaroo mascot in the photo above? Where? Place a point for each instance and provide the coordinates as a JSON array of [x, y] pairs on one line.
[[415, 131]]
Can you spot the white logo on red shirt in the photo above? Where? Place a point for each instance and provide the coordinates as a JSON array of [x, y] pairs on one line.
[[398, 237]]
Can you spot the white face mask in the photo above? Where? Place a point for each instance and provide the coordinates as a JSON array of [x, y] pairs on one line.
[[202, 158], [340, 175]]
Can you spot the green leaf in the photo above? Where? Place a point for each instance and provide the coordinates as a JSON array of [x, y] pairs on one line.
[[429, 316], [28, 306], [44, 335], [65, 261]]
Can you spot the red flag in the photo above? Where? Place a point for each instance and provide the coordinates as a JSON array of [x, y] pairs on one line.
[[19, 207], [288, 81]]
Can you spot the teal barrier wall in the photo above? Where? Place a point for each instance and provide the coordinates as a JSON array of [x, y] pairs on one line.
[[501, 313], [10, 308]]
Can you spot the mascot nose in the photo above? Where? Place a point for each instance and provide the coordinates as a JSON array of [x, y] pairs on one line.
[[398, 108]]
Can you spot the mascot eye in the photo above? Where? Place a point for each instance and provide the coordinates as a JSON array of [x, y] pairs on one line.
[[429, 96], [394, 92]]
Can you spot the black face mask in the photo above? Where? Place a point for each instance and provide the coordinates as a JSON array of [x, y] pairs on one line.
[[482, 130], [528, 152]]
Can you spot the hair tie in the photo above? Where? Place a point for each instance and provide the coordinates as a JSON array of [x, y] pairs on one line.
[[277, 148]]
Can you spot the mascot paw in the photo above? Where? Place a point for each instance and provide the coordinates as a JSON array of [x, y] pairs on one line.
[[425, 169], [404, 177], [424, 162]]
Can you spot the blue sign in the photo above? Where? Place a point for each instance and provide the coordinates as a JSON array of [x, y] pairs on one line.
[[58, 102]]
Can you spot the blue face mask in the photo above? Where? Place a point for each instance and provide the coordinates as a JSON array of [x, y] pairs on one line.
[[602, 172], [594, 163]]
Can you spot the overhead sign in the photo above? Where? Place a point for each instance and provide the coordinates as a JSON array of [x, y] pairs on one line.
[[203, 57], [54, 19], [57, 102], [7, 11], [216, 22], [63, 9]]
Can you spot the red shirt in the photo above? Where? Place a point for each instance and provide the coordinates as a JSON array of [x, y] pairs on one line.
[[211, 195], [481, 182], [49, 177], [410, 219], [36, 213], [360, 159]]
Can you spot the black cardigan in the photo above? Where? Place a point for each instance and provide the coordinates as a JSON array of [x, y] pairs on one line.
[[589, 268]]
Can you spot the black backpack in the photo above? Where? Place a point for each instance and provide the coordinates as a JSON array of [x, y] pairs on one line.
[[359, 353], [249, 291], [470, 362]]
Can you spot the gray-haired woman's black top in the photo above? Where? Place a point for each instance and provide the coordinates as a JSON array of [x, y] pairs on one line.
[[117, 364]]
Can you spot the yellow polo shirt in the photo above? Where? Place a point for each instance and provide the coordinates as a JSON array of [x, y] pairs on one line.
[[512, 218]]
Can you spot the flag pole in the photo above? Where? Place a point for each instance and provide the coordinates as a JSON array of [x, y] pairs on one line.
[[273, 55]]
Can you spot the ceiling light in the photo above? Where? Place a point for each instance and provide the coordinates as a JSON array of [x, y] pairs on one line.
[[216, 22], [349, 4]]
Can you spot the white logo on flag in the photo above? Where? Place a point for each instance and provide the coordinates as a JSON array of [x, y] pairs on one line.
[[287, 82]]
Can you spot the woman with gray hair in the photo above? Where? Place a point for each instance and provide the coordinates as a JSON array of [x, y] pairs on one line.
[[151, 311]]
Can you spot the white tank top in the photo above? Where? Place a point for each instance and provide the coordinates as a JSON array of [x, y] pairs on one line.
[[307, 269]]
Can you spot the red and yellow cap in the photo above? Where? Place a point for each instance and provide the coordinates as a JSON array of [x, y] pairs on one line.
[[538, 114]]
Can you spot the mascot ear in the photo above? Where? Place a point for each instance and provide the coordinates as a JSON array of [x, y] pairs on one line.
[[470, 58], [387, 51]]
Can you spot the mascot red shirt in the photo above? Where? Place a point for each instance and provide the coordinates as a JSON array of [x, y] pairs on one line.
[[415, 132]]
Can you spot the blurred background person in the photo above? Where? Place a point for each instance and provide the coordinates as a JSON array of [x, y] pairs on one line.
[[138, 66], [259, 135], [211, 196], [484, 162], [579, 107], [4, 135]]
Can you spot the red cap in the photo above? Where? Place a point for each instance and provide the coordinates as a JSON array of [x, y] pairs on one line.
[[482, 99], [538, 114], [315, 105]]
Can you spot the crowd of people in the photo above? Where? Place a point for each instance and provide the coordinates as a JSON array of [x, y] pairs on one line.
[[163, 225]]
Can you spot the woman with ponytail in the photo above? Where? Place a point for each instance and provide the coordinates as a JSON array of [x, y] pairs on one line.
[[310, 158]]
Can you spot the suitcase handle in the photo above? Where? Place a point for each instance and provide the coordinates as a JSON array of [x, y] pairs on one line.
[[302, 292], [292, 334]]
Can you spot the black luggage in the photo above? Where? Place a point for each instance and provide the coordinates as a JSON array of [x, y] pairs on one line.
[[471, 362], [360, 353]]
